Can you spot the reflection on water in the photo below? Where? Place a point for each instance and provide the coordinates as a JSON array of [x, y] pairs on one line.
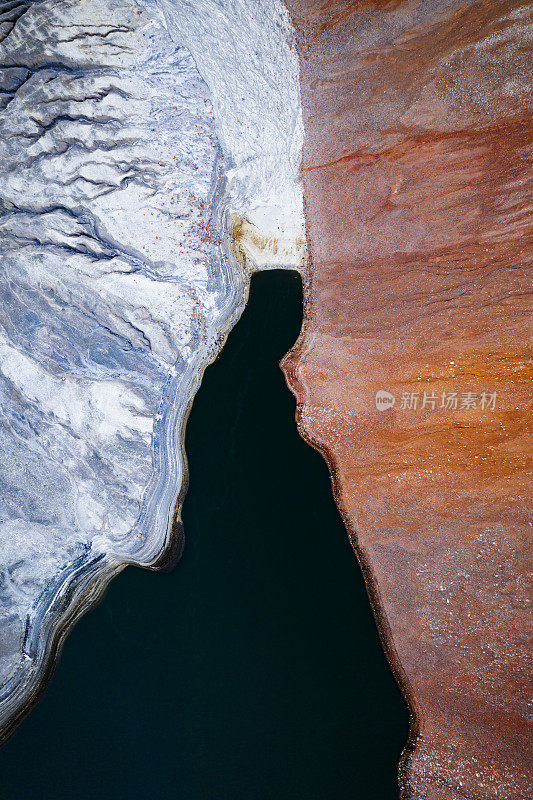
[[253, 671]]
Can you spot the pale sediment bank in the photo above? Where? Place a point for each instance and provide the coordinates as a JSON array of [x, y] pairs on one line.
[[126, 158]]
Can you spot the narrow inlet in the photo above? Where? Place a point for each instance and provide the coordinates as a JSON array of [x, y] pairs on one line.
[[253, 671]]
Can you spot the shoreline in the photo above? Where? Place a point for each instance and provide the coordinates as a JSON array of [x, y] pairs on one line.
[[157, 535]]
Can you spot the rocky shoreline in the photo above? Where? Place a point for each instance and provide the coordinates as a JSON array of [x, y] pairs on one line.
[[412, 373], [122, 278]]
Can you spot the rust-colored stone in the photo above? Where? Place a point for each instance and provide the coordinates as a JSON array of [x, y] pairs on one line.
[[416, 169]]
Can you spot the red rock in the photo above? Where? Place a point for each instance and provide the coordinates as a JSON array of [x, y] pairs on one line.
[[417, 179]]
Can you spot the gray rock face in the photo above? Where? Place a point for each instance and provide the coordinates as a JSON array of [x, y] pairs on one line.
[[118, 284]]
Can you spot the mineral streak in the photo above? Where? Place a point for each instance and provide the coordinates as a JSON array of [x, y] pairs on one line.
[[413, 370]]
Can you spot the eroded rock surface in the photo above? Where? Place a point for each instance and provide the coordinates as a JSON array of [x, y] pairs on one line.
[[119, 187], [417, 181]]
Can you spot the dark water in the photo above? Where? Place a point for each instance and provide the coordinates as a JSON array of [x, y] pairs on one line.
[[253, 671]]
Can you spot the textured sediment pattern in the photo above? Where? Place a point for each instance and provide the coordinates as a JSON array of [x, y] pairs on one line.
[[118, 281], [413, 374]]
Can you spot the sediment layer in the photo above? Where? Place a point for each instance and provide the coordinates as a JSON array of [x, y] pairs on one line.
[[125, 159], [413, 372]]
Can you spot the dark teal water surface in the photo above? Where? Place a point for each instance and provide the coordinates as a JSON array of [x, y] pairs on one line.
[[253, 671]]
